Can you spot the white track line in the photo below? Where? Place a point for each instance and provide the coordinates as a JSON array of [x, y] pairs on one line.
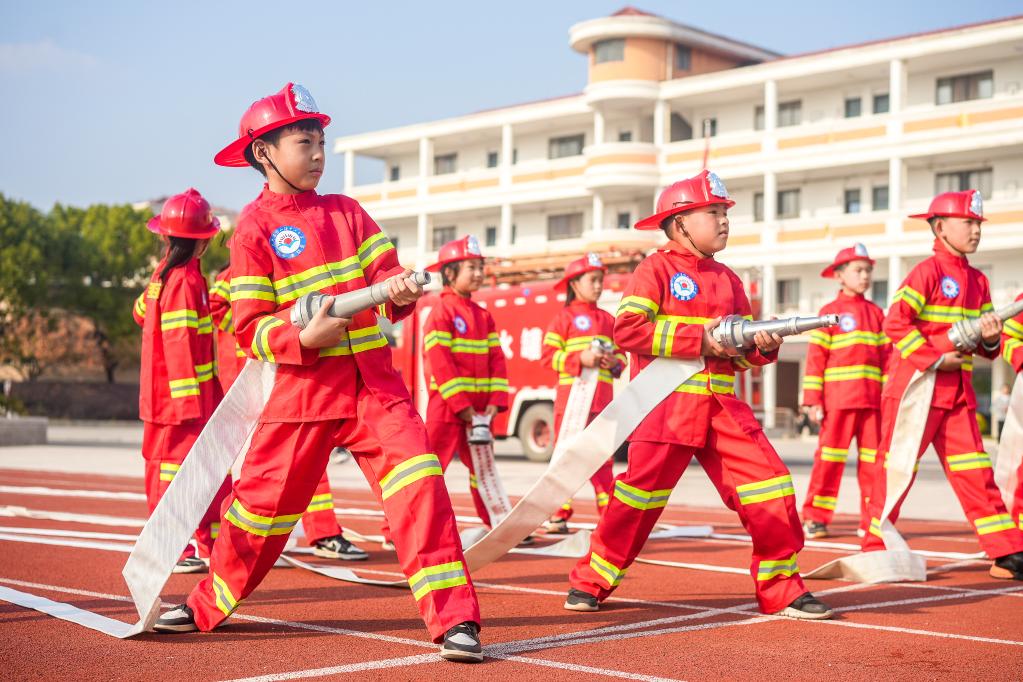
[[47, 532], [42, 491], [82, 544], [383, 664], [12, 511]]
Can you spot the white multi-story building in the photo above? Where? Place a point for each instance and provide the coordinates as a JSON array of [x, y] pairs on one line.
[[819, 151]]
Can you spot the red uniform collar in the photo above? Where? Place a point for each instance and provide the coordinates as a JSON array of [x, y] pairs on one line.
[[286, 202], [451, 293], [855, 297], [582, 304], [682, 252], [942, 253]]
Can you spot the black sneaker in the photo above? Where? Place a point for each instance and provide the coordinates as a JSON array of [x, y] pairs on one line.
[[806, 607], [814, 530], [179, 619], [337, 547], [1008, 567], [191, 564], [578, 600], [556, 526], [462, 644], [527, 541]]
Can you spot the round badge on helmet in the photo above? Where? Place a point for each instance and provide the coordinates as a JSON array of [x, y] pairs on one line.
[[847, 323], [977, 204], [594, 260], [683, 287], [287, 241], [582, 323], [717, 185], [949, 287], [303, 100], [460, 324], [472, 246]]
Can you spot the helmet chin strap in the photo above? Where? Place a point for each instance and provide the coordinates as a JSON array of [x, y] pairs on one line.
[[266, 155], [682, 226]]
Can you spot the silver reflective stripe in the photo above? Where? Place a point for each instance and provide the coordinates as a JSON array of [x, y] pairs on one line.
[[436, 578], [396, 481]]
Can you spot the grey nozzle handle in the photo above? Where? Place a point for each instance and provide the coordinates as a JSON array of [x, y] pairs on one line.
[[347, 304], [965, 334], [737, 333]]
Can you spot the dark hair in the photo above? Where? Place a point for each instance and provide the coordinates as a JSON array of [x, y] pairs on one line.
[[179, 251], [570, 292], [306, 125], [449, 272], [667, 223], [840, 268]]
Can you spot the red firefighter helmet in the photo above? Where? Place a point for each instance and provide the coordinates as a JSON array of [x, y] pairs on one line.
[[966, 204], [855, 252], [702, 190], [185, 215], [580, 266], [466, 248], [293, 103]]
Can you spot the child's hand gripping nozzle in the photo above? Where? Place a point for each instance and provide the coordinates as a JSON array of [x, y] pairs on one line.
[[736, 332], [965, 334], [346, 305]]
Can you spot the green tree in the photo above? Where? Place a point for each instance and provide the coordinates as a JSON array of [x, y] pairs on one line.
[[24, 273]]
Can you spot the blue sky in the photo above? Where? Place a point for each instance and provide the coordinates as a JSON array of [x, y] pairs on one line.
[[123, 101]]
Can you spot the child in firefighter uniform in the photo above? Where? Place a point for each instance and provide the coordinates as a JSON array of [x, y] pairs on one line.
[[938, 292], [568, 348], [335, 384], [1012, 352], [319, 523], [178, 390], [464, 360], [675, 298], [845, 367]]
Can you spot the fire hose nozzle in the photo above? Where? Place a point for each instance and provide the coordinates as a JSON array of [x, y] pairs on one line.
[[736, 332], [347, 304]]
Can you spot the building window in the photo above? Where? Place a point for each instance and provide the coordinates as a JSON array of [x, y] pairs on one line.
[[788, 203], [852, 201], [680, 128], [758, 207], [624, 220], [879, 292], [758, 117], [395, 173], [442, 235], [881, 103], [790, 113], [445, 163], [683, 57], [515, 233], [853, 107], [569, 145], [609, 50], [879, 198], [490, 235], [788, 293], [959, 181], [969, 86], [564, 226], [491, 159], [709, 127], [625, 136], [515, 156]]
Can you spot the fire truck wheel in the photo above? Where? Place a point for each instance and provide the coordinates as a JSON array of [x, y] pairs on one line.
[[536, 432]]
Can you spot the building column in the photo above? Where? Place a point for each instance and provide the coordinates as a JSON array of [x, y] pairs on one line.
[[425, 163], [896, 183], [349, 181], [504, 237], [662, 123], [507, 152], [598, 213], [423, 245], [896, 86], [894, 275], [769, 377], [770, 115], [598, 127]]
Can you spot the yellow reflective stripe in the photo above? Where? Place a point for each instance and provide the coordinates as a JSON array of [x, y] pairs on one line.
[[849, 372], [439, 577], [553, 340], [261, 340], [373, 248], [834, 454], [813, 383], [742, 363], [264, 526], [472, 480], [436, 338], [602, 500], [168, 471], [470, 385], [321, 502], [225, 600], [683, 319], [215, 529], [140, 305], [1013, 328], [909, 343], [606, 570], [641, 499], [206, 325], [772, 569], [825, 502], [639, 306], [471, 346], [762, 491], [320, 277], [664, 337], [180, 388], [994, 524], [969, 461], [221, 289], [558, 360], [226, 322], [867, 455], [366, 338], [947, 314], [176, 319], [493, 340], [408, 472], [857, 338], [820, 338], [705, 383], [913, 298], [1010, 347], [875, 527], [251, 288], [204, 372]]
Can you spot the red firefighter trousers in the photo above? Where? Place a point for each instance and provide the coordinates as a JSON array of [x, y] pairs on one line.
[[281, 471], [957, 441], [602, 481], [164, 448], [451, 438], [752, 481], [837, 432]]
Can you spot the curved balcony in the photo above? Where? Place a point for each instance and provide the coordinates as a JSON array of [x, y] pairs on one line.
[[622, 164], [617, 93]]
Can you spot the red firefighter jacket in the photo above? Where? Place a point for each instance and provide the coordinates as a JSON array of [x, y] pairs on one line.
[[845, 364], [230, 356], [937, 293], [464, 360], [177, 382], [1012, 341], [665, 305], [572, 331], [287, 245]]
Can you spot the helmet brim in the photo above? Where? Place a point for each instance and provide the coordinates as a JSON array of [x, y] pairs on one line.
[[154, 225], [654, 222], [233, 155]]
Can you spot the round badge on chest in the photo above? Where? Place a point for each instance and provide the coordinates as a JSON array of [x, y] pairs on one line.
[[949, 287], [582, 323], [847, 323], [287, 241], [460, 324], [683, 287]]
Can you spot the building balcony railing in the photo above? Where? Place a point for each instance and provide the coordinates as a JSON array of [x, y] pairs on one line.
[[622, 164]]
